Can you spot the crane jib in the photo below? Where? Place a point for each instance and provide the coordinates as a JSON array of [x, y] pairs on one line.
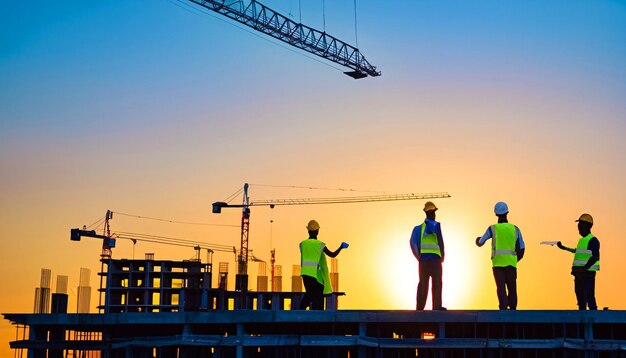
[[263, 19], [352, 199]]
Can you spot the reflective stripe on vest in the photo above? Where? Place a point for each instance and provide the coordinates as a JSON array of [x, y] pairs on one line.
[[429, 243], [310, 252], [504, 237], [583, 254], [505, 252]]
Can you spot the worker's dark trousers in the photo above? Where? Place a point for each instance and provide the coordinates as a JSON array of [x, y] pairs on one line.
[[314, 294], [506, 280], [585, 288], [428, 269]]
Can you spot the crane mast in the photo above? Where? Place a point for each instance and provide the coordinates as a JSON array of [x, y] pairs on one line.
[[263, 19], [241, 279]]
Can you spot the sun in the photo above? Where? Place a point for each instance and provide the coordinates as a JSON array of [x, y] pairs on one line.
[[399, 274]]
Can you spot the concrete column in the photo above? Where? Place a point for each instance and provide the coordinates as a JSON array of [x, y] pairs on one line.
[[240, 333], [37, 333], [362, 334]]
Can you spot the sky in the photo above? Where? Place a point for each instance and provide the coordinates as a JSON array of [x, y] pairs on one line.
[[157, 109]]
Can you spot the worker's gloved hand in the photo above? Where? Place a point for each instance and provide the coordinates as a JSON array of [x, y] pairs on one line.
[[559, 245], [344, 245], [478, 242]]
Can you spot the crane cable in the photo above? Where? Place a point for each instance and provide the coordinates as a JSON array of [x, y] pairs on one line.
[[96, 223], [233, 195], [155, 241], [324, 14], [317, 188], [171, 221], [195, 11], [356, 34], [172, 241]]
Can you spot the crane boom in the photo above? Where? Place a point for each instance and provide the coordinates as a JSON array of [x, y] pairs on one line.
[[349, 199], [263, 19]]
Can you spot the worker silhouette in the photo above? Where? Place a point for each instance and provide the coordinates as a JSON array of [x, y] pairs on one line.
[[314, 270], [507, 249], [427, 246], [586, 263]]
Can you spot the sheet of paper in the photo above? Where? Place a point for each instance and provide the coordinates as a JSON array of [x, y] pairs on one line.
[[551, 243]]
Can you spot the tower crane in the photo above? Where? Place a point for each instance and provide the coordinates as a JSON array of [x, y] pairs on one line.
[[263, 19], [109, 241], [241, 281]]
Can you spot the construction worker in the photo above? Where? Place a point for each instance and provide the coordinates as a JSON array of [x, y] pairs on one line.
[[314, 270], [586, 263], [507, 249], [427, 246]]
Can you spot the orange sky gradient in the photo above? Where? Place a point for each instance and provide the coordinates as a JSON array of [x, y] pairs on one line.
[[515, 101]]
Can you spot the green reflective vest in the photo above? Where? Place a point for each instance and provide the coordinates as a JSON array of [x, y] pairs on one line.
[[583, 254], [313, 262], [503, 245], [429, 243]]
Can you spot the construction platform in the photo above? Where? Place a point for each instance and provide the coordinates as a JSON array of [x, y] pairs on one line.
[[333, 333]]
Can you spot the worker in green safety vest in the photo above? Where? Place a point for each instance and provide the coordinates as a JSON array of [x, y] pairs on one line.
[[586, 263], [314, 270], [507, 249]]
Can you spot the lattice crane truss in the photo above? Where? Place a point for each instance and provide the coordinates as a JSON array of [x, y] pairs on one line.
[[263, 19], [241, 282]]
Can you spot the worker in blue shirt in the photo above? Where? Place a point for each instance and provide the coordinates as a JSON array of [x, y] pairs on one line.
[[427, 247]]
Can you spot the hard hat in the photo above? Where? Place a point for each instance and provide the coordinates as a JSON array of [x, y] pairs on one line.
[[430, 206], [586, 218], [501, 208], [313, 225]]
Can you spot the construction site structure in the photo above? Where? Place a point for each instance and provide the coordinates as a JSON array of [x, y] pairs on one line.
[[83, 300], [296, 279], [59, 297], [277, 282], [169, 309], [42, 293], [259, 17], [352, 333], [334, 273], [261, 280], [154, 285]]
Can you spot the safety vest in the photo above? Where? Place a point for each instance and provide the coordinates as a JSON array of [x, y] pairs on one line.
[[313, 262], [583, 254], [503, 245], [429, 243]]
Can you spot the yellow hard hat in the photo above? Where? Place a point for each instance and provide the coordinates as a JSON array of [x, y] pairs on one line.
[[585, 218], [313, 225], [430, 206]]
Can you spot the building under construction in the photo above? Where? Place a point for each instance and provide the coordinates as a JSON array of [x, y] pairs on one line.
[[158, 308]]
